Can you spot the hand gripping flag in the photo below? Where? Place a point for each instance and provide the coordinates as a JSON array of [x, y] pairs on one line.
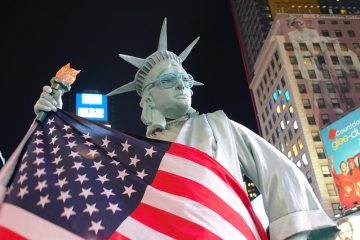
[[71, 178]]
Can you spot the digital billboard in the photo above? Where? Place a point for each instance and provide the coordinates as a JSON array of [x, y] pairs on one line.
[[92, 106], [342, 146]]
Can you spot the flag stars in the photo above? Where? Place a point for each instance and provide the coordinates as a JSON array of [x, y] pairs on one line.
[[81, 178], [112, 154], [77, 165], [141, 174], [150, 151], [134, 160], [40, 172], [38, 141], [97, 165], [22, 192], [102, 179], [53, 140], [51, 130], [43, 200], [69, 135], [41, 185], [92, 152], [87, 143], [38, 161], [50, 121], [23, 166], [125, 146], [122, 174], [129, 190], [90, 209], [86, 192], [55, 150], [38, 133], [71, 144], [68, 212], [86, 136], [96, 226], [57, 160], [105, 141], [66, 127], [113, 207], [61, 182], [22, 178], [38, 150], [74, 154], [107, 192], [64, 196], [59, 170], [115, 162]]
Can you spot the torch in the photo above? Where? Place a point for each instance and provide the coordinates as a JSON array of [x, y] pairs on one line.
[[61, 82]]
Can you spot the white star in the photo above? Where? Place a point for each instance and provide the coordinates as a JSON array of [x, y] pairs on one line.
[[113, 207], [81, 178], [22, 178], [122, 174], [129, 190], [53, 140], [86, 192], [38, 161], [23, 191], [38, 141], [96, 226], [77, 165], [41, 185], [64, 196], [50, 121], [112, 154], [74, 154], [23, 166], [69, 135], [102, 179], [40, 172], [38, 150], [55, 150], [38, 132], [71, 144], [141, 174], [66, 127], [92, 152], [86, 136], [51, 130], [61, 182], [150, 151], [97, 165], [68, 212], [57, 160], [87, 143], [134, 160], [107, 192], [105, 141], [59, 171], [125, 146], [91, 208], [9, 189], [115, 162], [43, 200], [25, 155]]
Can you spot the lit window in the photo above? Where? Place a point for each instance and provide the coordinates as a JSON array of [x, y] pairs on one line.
[[330, 47], [291, 111], [287, 96], [344, 47], [282, 147], [275, 96], [270, 104], [295, 150], [282, 102], [300, 144], [279, 90], [295, 125], [298, 163], [278, 109], [286, 117], [289, 155], [304, 159], [307, 61], [282, 124]]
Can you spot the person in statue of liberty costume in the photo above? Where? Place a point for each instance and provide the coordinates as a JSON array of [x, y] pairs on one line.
[[165, 90]]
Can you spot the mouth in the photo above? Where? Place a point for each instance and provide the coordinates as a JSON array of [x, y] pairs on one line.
[[181, 96]]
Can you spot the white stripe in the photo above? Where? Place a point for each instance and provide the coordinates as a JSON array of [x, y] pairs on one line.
[[31, 226], [134, 229], [202, 175], [194, 212]]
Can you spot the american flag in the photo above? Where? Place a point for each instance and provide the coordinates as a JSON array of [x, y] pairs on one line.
[[76, 179]]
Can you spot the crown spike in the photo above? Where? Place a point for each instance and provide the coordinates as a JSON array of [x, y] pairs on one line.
[[163, 37], [186, 52], [137, 62], [123, 89]]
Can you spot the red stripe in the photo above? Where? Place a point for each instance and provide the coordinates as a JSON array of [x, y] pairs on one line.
[[181, 186], [6, 233], [118, 236], [169, 224], [205, 160]]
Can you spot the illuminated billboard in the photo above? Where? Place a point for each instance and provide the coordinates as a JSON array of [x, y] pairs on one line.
[[92, 106], [342, 145], [349, 227]]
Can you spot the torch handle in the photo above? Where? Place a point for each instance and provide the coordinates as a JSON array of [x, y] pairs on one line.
[[42, 115]]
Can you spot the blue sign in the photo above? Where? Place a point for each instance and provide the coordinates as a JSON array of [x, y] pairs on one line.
[[92, 106]]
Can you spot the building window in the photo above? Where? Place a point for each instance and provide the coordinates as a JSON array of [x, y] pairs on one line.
[[295, 126], [276, 56], [336, 209], [320, 153], [295, 150], [330, 88], [344, 87], [335, 60], [312, 73], [311, 119], [307, 61], [339, 73], [293, 60], [335, 103], [356, 46], [344, 47], [357, 87], [304, 159], [287, 96], [289, 155], [303, 47], [297, 74], [320, 102], [325, 33], [348, 60], [351, 33], [317, 47], [326, 74], [302, 88], [331, 189], [290, 134], [325, 118], [282, 82], [321, 60], [353, 73], [325, 171], [316, 136], [321, 22], [347, 22], [330, 47], [300, 144], [291, 111], [334, 22], [349, 103], [338, 33], [308, 176], [288, 47], [306, 103], [316, 88]]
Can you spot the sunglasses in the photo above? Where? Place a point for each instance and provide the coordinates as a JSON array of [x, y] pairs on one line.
[[169, 80]]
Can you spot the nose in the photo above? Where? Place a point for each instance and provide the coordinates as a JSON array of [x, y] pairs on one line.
[[180, 85]]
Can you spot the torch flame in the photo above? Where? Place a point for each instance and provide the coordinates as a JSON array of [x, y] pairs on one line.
[[67, 74]]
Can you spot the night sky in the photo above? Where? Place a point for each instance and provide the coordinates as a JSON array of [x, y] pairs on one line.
[[39, 37]]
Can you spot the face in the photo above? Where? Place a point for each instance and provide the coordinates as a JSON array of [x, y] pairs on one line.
[[352, 165], [172, 102], [346, 232], [343, 167], [298, 24]]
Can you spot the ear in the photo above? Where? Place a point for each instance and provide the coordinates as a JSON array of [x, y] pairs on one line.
[[149, 101]]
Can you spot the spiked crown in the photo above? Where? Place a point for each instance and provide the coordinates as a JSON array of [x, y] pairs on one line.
[[162, 55]]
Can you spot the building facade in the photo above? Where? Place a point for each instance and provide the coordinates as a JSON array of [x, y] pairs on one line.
[[307, 75]]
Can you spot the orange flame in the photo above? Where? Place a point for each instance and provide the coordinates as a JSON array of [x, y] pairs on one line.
[[67, 74]]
